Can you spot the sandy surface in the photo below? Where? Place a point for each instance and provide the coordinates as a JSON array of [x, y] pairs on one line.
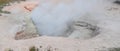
[[17, 32]]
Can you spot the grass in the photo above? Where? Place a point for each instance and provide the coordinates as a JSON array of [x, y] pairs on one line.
[[6, 2], [8, 49], [33, 49], [2, 4], [114, 49]]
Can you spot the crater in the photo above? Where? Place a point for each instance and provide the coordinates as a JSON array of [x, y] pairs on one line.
[[84, 30]]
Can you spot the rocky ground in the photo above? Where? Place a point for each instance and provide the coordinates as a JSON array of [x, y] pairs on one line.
[[18, 33]]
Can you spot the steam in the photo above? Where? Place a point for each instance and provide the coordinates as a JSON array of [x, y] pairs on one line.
[[58, 20]]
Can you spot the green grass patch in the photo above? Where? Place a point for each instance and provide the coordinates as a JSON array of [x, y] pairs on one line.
[[33, 48], [114, 49], [6, 2]]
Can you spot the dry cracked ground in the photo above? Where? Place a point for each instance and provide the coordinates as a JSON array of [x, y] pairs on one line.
[[18, 33]]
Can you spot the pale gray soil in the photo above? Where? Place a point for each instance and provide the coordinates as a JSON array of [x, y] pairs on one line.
[[93, 32]]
